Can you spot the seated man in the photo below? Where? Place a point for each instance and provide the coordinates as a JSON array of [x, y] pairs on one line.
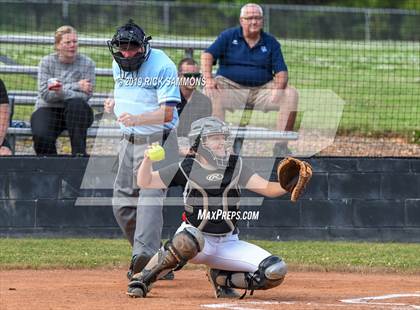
[[65, 81], [194, 104], [4, 121], [251, 72]]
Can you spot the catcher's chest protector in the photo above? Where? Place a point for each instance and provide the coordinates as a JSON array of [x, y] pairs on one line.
[[211, 195]]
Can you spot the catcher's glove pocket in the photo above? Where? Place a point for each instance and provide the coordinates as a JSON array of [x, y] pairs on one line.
[[293, 175]]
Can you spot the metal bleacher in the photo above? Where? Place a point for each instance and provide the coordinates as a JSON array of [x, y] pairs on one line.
[[28, 98]]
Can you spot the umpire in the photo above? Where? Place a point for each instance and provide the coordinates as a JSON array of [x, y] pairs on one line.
[[145, 95]]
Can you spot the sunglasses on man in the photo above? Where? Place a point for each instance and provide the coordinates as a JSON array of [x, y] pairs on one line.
[[196, 75]]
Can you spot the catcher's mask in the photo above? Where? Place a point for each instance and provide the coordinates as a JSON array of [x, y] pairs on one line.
[[129, 37], [200, 132]]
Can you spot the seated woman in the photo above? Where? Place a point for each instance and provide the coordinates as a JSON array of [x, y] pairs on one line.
[[65, 80]]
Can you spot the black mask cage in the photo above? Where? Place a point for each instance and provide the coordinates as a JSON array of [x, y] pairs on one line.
[[129, 37], [203, 128]]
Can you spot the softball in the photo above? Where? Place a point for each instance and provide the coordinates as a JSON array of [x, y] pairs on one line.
[[156, 153]]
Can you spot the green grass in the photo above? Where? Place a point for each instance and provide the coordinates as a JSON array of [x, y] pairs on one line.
[[62, 253], [378, 81], [309, 255], [347, 256]]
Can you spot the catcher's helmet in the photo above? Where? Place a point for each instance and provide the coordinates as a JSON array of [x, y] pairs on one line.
[[201, 129], [127, 37]]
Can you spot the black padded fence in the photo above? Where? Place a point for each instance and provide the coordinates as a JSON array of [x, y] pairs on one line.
[[348, 199]]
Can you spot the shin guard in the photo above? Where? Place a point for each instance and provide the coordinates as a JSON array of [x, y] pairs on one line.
[[175, 254]]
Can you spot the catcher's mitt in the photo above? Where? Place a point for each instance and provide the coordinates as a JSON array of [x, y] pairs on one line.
[[293, 175]]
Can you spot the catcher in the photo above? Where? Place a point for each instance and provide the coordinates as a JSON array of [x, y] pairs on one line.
[[212, 178]]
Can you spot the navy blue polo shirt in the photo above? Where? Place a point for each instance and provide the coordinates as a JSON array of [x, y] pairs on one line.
[[244, 65]]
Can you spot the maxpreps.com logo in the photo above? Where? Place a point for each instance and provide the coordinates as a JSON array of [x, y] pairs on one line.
[[220, 214], [214, 177]]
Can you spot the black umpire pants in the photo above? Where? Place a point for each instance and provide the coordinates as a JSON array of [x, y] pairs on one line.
[[48, 123]]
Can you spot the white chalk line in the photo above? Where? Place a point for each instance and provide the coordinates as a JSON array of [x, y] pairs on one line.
[[368, 300], [248, 305], [365, 301], [230, 306], [240, 305]]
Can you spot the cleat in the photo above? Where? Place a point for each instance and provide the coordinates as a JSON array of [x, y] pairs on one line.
[[169, 276], [137, 289], [136, 293], [220, 291], [226, 292]]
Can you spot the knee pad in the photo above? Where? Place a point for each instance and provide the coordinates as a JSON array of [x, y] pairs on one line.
[[186, 244], [271, 272], [273, 268]]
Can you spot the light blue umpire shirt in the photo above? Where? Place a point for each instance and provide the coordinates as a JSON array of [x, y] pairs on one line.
[[142, 91]]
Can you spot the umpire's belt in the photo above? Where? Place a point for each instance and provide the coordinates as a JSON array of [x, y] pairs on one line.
[[147, 139]]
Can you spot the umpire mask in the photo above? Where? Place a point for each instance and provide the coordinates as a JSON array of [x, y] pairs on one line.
[[129, 37]]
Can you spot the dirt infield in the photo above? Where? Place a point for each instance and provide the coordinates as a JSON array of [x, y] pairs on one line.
[[105, 289]]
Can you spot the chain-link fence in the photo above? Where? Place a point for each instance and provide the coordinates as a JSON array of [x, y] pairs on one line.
[[357, 71]]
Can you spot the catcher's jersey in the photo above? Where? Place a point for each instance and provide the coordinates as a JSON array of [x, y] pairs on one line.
[[210, 196]]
